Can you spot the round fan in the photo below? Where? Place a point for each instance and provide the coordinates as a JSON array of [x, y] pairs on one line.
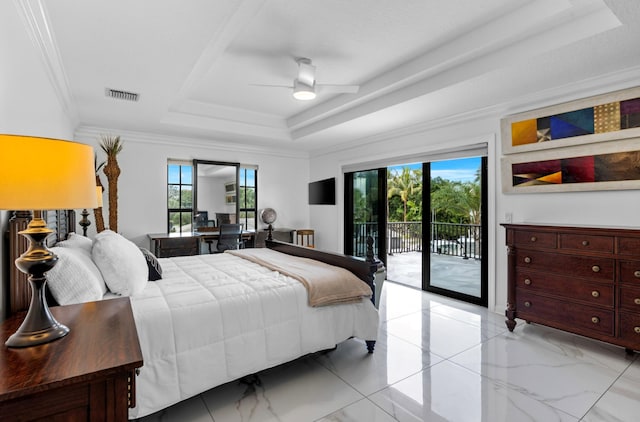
[[305, 86]]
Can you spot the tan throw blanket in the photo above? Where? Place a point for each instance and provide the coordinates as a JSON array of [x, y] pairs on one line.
[[326, 284]]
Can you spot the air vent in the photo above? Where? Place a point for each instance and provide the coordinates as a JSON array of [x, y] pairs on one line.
[[121, 95]]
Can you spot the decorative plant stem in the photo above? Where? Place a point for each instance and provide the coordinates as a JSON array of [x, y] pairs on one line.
[[97, 212], [112, 146]]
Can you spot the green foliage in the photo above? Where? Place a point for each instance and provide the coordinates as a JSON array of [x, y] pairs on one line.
[[247, 197], [451, 201]]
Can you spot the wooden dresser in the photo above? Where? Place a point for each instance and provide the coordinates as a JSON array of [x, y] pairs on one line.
[[585, 280], [88, 375]]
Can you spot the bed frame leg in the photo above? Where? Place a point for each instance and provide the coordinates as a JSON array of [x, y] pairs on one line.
[[370, 345]]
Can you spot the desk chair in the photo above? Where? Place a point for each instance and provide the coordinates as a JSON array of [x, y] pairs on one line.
[[305, 237], [230, 237], [208, 241]]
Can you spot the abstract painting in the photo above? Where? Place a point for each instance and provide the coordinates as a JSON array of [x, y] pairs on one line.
[[606, 117], [606, 166]]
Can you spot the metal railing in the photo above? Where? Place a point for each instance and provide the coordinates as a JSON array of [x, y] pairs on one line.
[[452, 239]]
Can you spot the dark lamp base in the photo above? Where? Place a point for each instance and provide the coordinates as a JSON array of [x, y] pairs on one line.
[[39, 326], [33, 338]]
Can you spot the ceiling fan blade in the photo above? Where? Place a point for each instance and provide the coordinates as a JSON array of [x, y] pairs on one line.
[[272, 86], [341, 89], [306, 72]]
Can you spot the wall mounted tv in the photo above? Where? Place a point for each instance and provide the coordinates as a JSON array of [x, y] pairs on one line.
[[322, 192]]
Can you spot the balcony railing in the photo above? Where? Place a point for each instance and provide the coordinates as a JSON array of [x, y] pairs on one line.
[[461, 240]]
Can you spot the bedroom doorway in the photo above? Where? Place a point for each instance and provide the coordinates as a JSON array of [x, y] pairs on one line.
[[428, 221]]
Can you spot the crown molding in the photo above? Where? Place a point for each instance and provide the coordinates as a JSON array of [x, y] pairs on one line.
[[36, 22], [87, 133]]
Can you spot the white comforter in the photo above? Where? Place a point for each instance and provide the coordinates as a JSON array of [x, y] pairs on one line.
[[216, 318]]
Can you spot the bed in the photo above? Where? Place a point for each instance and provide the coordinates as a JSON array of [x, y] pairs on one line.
[[211, 319]]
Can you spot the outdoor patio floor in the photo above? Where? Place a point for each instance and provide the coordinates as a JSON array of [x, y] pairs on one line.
[[449, 272]]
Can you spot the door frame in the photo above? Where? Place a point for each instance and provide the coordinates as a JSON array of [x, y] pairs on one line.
[[484, 232]]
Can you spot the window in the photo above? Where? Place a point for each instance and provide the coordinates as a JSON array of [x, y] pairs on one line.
[[179, 196], [247, 196]]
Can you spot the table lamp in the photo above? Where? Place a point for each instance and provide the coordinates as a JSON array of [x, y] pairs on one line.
[[42, 174]]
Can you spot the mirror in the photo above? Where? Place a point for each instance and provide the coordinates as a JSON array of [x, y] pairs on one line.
[[215, 190]]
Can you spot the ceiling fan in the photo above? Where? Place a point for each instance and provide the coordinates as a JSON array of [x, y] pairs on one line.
[[305, 86]]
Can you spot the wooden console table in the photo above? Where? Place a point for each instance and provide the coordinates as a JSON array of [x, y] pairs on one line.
[[165, 245], [88, 375], [585, 280]]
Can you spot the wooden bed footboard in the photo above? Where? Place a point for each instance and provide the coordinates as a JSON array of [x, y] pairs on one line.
[[365, 269]]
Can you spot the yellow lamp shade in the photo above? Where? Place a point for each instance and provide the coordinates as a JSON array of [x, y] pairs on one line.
[[46, 174]]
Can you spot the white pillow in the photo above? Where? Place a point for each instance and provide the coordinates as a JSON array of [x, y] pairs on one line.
[[71, 280], [121, 263], [76, 241]]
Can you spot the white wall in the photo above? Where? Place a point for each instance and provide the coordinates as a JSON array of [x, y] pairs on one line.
[[608, 208], [142, 186], [28, 104]]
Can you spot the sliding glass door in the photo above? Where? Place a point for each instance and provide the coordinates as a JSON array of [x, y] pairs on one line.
[[365, 212], [428, 222], [456, 262]]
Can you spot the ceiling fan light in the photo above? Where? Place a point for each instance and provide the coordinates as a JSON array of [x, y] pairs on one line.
[[303, 92]]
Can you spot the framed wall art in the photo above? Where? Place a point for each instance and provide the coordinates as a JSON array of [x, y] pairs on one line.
[[603, 118], [601, 166]]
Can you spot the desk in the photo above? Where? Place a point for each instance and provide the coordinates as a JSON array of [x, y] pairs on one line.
[[214, 234], [87, 375], [165, 245]]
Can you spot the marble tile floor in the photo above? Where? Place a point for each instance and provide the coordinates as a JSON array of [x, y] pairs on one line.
[[437, 359]]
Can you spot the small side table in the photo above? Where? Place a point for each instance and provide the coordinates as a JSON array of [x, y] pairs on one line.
[[88, 375]]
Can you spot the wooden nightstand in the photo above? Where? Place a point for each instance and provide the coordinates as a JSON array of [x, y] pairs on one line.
[[88, 375]]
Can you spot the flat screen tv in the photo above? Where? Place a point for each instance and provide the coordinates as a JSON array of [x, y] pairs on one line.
[[322, 192]]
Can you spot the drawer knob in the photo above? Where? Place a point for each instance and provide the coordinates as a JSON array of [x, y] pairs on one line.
[[527, 259], [527, 304], [636, 301], [533, 238], [636, 330], [527, 281], [595, 268], [595, 293], [585, 243], [595, 319], [636, 274]]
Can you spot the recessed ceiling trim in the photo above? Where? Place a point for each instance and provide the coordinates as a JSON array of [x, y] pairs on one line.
[[563, 26], [235, 23]]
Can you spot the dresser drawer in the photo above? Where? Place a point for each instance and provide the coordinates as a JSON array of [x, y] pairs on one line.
[[629, 272], [629, 298], [629, 330], [577, 318], [597, 294], [596, 268], [535, 239], [628, 245], [582, 242]]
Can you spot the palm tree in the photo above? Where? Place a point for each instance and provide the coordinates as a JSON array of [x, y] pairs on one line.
[[112, 146], [403, 185]]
